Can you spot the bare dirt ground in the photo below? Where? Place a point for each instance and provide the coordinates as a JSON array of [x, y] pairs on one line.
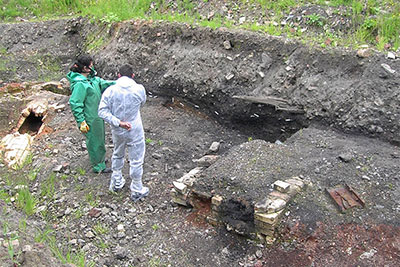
[[339, 125]]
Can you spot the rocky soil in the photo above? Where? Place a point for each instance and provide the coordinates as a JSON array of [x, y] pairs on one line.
[[278, 108]]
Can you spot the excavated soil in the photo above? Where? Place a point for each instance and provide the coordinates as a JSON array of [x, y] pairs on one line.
[[338, 124]]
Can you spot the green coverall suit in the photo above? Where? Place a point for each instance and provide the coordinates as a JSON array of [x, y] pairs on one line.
[[84, 102]]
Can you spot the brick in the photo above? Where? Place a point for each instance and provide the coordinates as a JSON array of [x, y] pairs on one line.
[[281, 186], [279, 195], [264, 225], [270, 205], [271, 218], [262, 206], [266, 232], [295, 181]]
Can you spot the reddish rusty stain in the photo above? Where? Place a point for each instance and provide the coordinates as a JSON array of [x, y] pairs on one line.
[[198, 217]]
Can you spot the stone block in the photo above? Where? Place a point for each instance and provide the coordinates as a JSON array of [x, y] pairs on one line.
[[279, 195], [281, 186], [271, 218]]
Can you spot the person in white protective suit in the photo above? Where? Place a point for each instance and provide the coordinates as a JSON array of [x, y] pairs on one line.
[[120, 107]]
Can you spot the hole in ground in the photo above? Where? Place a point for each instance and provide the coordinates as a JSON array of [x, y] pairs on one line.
[[31, 124]]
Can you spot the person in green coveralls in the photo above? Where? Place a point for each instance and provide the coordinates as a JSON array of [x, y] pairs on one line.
[[86, 90]]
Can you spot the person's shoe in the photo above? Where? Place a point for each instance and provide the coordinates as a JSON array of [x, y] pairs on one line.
[[136, 196], [116, 187], [106, 170]]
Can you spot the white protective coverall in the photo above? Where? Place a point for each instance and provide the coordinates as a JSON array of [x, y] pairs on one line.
[[122, 102]]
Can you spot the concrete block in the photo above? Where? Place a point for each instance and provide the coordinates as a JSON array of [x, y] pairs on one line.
[[281, 186]]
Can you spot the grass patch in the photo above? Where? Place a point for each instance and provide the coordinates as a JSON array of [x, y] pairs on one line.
[[376, 21]]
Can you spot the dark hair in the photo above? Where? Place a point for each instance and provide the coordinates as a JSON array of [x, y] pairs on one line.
[[81, 61], [126, 70]]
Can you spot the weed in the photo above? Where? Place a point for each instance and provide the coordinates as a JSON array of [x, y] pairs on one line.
[[81, 171], [90, 199], [48, 186], [148, 141], [314, 20], [249, 139], [32, 175], [100, 229], [102, 245], [26, 201], [22, 225], [64, 254], [155, 227]]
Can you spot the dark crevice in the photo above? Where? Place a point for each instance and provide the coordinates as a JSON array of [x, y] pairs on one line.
[[31, 124]]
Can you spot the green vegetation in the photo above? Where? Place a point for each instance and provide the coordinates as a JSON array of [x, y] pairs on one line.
[[375, 22], [64, 254]]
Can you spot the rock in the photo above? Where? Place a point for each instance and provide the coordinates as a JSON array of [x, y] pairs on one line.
[[229, 76], [227, 45], [156, 156], [345, 157], [391, 55], [259, 254], [214, 147], [368, 254], [120, 228], [57, 168], [387, 68], [121, 253], [89, 234], [364, 53]]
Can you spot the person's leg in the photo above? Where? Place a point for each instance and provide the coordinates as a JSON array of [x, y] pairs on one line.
[[136, 152], [117, 179], [95, 143]]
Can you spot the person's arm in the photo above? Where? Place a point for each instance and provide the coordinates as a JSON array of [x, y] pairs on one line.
[[104, 84], [104, 111], [142, 95], [77, 102]]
